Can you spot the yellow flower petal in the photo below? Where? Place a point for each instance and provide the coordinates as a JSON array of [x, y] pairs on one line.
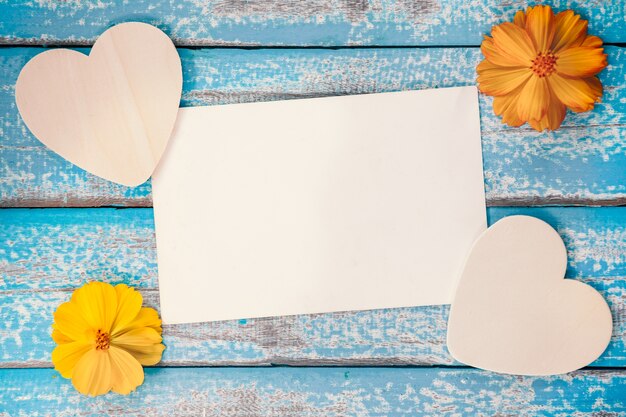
[[126, 371], [144, 343], [577, 94], [92, 374], [104, 337], [147, 317], [540, 25], [581, 61], [98, 304], [497, 81], [146, 355], [128, 305], [514, 42], [570, 31], [59, 337], [533, 99], [65, 356], [68, 319], [142, 336]]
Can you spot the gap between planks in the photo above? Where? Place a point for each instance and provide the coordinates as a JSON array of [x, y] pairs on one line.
[[189, 44], [120, 204]]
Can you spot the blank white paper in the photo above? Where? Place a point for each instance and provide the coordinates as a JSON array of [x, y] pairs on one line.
[[318, 205]]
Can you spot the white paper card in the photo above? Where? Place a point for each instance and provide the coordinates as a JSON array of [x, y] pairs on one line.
[[318, 205]]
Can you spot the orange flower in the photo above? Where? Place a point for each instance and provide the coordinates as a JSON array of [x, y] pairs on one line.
[[539, 65]]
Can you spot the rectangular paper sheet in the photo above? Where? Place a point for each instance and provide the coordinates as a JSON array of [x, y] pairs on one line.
[[318, 205]]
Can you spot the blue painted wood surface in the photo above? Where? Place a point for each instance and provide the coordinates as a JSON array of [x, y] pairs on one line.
[[46, 253], [117, 245], [288, 22], [580, 164], [327, 392]]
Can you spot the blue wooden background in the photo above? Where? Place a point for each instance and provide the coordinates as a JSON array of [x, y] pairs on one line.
[[60, 226]]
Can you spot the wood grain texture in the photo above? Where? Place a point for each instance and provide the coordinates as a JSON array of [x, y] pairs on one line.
[[60, 248], [332, 392], [287, 22], [45, 254], [111, 112], [580, 164], [514, 313]]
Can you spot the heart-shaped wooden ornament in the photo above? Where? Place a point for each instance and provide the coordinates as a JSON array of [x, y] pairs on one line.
[[514, 312], [112, 112]]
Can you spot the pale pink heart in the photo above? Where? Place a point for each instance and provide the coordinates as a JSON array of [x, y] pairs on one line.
[[112, 112], [514, 312]]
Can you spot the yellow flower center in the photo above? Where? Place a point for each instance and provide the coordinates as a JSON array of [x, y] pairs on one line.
[[103, 340], [544, 64]]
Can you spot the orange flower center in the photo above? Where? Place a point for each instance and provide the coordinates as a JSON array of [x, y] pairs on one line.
[[103, 340], [544, 64]]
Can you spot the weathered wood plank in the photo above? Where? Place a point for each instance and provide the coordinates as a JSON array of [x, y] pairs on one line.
[[403, 336], [44, 254], [61, 248], [291, 22], [580, 164], [332, 392], [382, 337]]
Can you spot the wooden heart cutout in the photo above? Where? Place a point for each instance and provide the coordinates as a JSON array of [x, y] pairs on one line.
[[514, 312], [112, 112]]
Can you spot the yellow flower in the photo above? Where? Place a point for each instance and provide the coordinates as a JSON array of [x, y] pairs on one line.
[[104, 337], [539, 65]]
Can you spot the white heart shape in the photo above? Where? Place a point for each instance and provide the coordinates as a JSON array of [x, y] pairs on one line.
[[112, 112], [513, 311]]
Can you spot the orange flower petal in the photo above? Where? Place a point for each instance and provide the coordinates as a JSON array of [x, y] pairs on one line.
[[570, 31], [592, 42], [539, 125], [577, 94], [555, 115], [595, 89], [128, 305], [520, 19], [514, 42], [533, 99], [522, 96], [126, 371], [581, 61], [506, 106], [66, 356], [595, 86], [552, 120], [92, 374], [498, 81], [540, 25], [495, 55]]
